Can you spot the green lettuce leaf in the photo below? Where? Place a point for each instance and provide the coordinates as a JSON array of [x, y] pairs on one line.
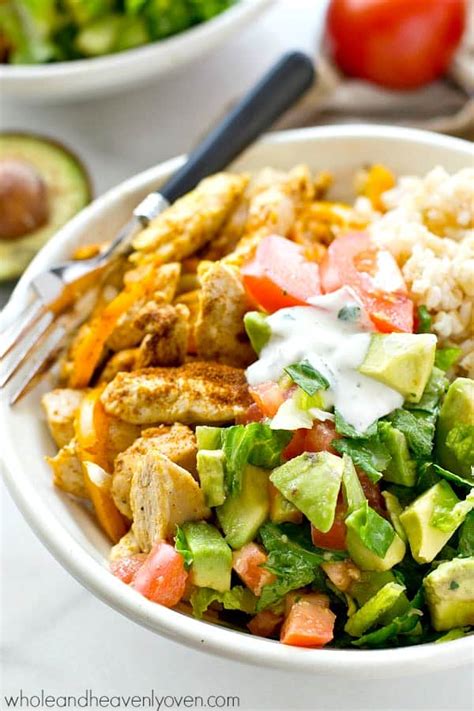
[[418, 428], [181, 545], [294, 561], [375, 532], [307, 377], [399, 626], [255, 444], [424, 320], [368, 454], [238, 598], [449, 512], [347, 430], [466, 537], [450, 476], [432, 394], [445, 358]]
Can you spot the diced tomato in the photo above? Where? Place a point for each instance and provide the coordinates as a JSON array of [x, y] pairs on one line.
[[318, 439], [296, 596], [252, 414], [162, 577], [247, 563], [279, 275], [126, 568], [372, 493], [308, 625], [374, 275], [265, 623], [335, 538], [268, 397], [341, 573]]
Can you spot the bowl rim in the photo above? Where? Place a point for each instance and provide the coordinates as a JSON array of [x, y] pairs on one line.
[[176, 626], [120, 60]]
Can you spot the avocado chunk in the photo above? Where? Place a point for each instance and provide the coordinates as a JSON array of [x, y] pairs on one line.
[[282, 510], [212, 557], [311, 482], [455, 422], [403, 361], [401, 469], [449, 593], [208, 437], [244, 511], [374, 609], [258, 330], [42, 185], [395, 509], [211, 469], [426, 532], [367, 559]]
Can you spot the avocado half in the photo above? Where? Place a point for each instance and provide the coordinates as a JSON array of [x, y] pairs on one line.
[[66, 190]]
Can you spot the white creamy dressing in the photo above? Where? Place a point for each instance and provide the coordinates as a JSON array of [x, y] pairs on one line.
[[335, 348]]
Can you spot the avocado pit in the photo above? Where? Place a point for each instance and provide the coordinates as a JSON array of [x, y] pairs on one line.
[[23, 199]]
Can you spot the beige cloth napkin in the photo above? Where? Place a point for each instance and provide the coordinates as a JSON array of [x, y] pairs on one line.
[[446, 105]]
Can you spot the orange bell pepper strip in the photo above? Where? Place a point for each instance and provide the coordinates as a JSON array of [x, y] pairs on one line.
[[91, 428], [88, 351]]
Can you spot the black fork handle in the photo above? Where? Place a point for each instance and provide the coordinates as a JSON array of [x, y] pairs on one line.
[[286, 81]]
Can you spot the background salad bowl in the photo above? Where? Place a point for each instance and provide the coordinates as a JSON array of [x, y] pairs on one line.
[[67, 81], [69, 530]]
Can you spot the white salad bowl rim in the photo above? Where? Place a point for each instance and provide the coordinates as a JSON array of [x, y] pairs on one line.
[[92, 572]]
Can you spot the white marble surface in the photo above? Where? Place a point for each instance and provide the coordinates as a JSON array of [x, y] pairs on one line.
[[55, 635]]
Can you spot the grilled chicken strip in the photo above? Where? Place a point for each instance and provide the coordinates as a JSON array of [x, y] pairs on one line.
[[162, 496], [60, 407], [178, 443], [219, 331], [191, 394], [193, 220]]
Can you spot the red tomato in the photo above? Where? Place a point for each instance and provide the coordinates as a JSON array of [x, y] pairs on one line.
[[247, 563], [268, 397], [374, 275], [372, 494], [335, 538], [265, 623], [318, 439], [162, 577], [400, 44], [279, 275], [252, 414], [127, 568], [308, 625]]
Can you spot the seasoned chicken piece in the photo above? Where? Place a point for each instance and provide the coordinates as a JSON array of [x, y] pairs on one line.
[[191, 300], [67, 471], [121, 361], [192, 220], [120, 435], [131, 326], [127, 546], [219, 331], [273, 211], [192, 393], [166, 339], [162, 496], [230, 233], [178, 443], [60, 407]]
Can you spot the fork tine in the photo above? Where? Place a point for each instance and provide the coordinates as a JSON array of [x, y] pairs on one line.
[[14, 330], [40, 356], [18, 355]]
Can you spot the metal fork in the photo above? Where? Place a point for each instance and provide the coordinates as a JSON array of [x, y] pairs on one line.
[[35, 336]]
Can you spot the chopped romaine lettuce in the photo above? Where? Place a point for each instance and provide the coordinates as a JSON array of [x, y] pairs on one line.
[[466, 536], [460, 441], [181, 545], [418, 428], [368, 454], [255, 444], [424, 320], [238, 598], [449, 512], [445, 358], [347, 430], [375, 532]]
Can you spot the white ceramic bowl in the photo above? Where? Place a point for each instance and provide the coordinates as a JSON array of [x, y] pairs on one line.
[[70, 532], [67, 81]]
